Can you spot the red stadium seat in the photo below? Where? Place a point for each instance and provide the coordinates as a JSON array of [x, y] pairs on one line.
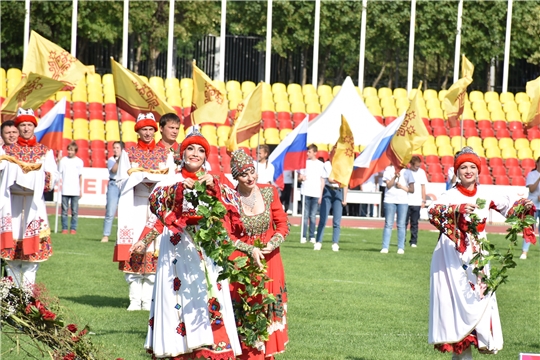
[[312, 116], [270, 123], [285, 124], [511, 162], [298, 117], [447, 160], [79, 106], [469, 124], [126, 116], [389, 119], [515, 172], [437, 178], [178, 110], [283, 115], [498, 171], [485, 179], [518, 181], [468, 132], [379, 119], [484, 124], [495, 161], [111, 115], [110, 107], [502, 133], [435, 168], [455, 131], [46, 107], [502, 180], [533, 133], [528, 163], [484, 163], [518, 134], [438, 131], [498, 124], [487, 133], [432, 159], [437, 122], [515, 125], [323, 154]]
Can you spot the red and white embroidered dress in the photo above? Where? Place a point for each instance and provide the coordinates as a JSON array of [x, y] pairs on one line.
[[24, 226], [459, 314], [133, 206]]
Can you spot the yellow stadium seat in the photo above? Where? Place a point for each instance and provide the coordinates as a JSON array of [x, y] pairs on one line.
[[157, 84], [536, 154], [79, 96], [458, 141], [370, 91], [221, 86], [313, 108], [513, 116], [279, 88], [61, 94], [107, 79], [169, 91], [442, 94], [294, 89], [468, 113], [478, 105], [490, 96], [423, 112], [508, 153], [430, 94], [324, 105], [109, 99], [506, 97], [233, 104], [235, 94], [375, 110], [186, 102], [255, 141], [326, 98], [403, 109], [390, 111], [95, 97], [442, 140], [535, 144], [14, 74], [521, 96], [296, 98], [3, 88], [510, 106], [400, 93], [336, 89], [524, 107], [223, 131], [172, 83], [490, 142], [283, 106], [482, 114], [298, 107], [493, 152], [94, 79], [446, 150], [268, 105], [474, 141], [281, 97], [429, 149], [524, 153], [80, 134], [476, 95], [324, 90], [311, 98], [494, 105], [433, 103], [498, 115], [388, 102], [157, 136], [430, 140], [283, 133], [186, 83], [384, 92], [112, 132], [248, 86], [271, 133], [479, 151], [506, 143], [522, 143], [212, 140], [233, 85], [372, 100], [359, 92], [413, 93], [108, 89], [68, 134], [308, 89], [436, 114], [208, 130], [322, 147], [174, 100]]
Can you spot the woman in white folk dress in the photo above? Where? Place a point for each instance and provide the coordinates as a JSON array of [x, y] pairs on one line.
[[460, 315], [191, 314]]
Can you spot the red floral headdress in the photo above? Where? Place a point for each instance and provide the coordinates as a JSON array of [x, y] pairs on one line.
[[240, 162], [144, 120]]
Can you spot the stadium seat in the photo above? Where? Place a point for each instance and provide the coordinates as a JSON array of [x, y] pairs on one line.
[[247, 87], [308, 89], [502, 133], [437, 178], [475, 96], [485, 179], [324, 90], [432, 159], [384, 92], [370, 91], [509, 152], [447, 160], [400, 93], [525, 153], [501, 180], [515, 171], [279, 87], [232, 85], [518, 181]]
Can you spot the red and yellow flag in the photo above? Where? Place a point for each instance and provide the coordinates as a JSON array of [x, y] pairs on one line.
[[31, 93], [410, 136], [533, 90], [454, 101], [209, 104], [247, 120], [135, 96], [343, 159], [46, 58]]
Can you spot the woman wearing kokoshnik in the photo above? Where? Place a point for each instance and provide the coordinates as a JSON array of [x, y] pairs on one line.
[[266, 222], [463, 309], [191, 315]]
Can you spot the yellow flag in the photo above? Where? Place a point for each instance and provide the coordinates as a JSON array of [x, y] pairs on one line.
[[247, 120], [343, 159], [31, 92], [209, 104], [46, 58], [454, 101], [533, 90], [410, 136], [135, 96]]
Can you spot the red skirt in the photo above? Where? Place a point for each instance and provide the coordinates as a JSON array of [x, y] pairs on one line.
[[277, 312]]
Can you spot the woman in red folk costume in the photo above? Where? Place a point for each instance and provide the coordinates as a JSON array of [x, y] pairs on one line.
[[460, 314], [28, 169], [264, 219], [191, 315]]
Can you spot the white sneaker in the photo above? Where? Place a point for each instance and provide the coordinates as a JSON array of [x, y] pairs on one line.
[[523, 256], [317, 246], [303, 241], [289, 212], [384, 251], [413, 245], [312, 240], [335, 247], [400, 251]]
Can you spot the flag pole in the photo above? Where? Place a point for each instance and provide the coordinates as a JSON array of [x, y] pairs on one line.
[[362, 46], [58, 196], [507, 46]]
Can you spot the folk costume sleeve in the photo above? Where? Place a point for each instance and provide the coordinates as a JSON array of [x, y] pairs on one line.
[[451, 220]]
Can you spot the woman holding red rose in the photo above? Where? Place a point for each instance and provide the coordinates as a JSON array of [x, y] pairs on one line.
[[460, 313], [264, 219], [191, 315]]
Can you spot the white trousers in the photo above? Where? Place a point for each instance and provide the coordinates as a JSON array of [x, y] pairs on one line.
[[22, 271]]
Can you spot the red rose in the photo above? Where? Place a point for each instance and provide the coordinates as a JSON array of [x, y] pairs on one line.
[[70, 356], [72, 328], [83, 332], [28, 309], [48, 315]]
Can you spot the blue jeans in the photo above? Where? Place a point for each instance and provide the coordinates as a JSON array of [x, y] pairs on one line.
[[332, 199], [389, 212], [113, 195], [74, 211], [310, 212], [526, 245]]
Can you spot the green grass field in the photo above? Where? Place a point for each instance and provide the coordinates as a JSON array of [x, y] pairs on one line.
[[355, 304]]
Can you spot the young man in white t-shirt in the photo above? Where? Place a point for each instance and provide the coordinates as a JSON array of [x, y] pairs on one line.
[[533, 181], [312, 186], [398, 185], [71, 171], [265, 170], [417, 199]]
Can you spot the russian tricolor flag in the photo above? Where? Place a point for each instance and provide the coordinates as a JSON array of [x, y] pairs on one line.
[[374, 158], [291, 153], [50, 129]]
